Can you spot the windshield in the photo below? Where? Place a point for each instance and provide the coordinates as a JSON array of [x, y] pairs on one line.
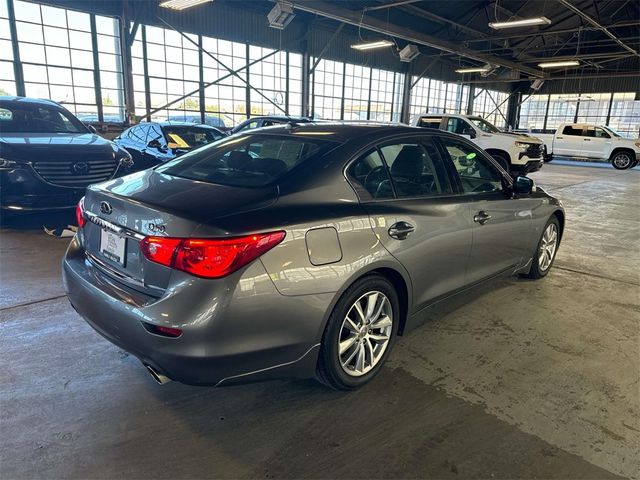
[[613, 132], [251, 160], [22, 117], [483, 125], [189, 137]]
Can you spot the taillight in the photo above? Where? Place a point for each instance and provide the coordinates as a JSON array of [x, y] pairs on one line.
[[209, 257], [80, 213]]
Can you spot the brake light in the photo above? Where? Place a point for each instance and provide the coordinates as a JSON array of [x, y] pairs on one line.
[[209, 257], [80, 213]]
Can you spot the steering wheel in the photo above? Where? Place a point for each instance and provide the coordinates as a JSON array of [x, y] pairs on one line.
[[370, 177]]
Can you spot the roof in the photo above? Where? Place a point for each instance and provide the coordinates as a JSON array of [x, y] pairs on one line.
[[341, 131], [16, 99], [176, 123]]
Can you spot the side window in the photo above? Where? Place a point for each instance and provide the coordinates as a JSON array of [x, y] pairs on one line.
[[457, 125], [430, 122], [138, 134], [596, 132], [249, 125], [573, 131], [416, 169], [370, 177], [477, 174]]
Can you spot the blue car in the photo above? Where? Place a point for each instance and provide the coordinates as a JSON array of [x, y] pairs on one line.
[[152, 143], [48, 157]]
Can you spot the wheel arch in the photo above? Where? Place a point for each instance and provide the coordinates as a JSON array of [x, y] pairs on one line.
[[501, 153], [559, 214], [621, 150]]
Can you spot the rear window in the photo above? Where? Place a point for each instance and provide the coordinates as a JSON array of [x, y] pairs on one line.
[[246, 161]]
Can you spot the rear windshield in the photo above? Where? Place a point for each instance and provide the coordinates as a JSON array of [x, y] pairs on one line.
[[251, 160], [27, 117], [189, 137]]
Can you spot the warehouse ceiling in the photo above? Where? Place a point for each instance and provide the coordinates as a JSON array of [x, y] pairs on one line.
[[604, 36]]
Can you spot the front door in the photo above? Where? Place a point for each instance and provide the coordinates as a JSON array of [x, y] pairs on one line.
[[501, 224], [416, 214], [569, 142], [596, 143]]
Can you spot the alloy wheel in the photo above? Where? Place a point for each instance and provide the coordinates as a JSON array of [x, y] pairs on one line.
[[365, 333], [622, 160], [548, 246]]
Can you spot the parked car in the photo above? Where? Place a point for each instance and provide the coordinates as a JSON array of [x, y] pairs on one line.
[[151, 143], [578, 140], [211, 120], [305, 259], [267, 121], [48, 157], [515, 153]]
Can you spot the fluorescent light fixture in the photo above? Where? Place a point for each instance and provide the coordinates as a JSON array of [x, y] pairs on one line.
[[182, 4], [486, 68], [527, 22], [560, 63], [372, 45], [280, 15]]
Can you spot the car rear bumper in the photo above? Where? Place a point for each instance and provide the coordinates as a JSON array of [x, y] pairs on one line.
[[235, 330]]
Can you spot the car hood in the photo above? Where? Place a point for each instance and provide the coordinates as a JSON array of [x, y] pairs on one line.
[[188, 199], [519, 137], [43, 147]]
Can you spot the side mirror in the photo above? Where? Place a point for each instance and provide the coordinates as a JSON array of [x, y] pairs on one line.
[[469, 131], [522, 185], [156, 144], [92, 129]]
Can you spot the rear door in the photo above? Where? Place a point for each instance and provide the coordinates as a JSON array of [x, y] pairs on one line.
[[415, 214], [501, 224], [596, 143], [569, 142]]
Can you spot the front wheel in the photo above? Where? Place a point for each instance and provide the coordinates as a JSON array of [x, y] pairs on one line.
[[622, 160], [546, 250], [503, 161], [359, 334]]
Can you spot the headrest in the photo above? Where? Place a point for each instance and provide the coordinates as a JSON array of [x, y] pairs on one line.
[[408, 163]]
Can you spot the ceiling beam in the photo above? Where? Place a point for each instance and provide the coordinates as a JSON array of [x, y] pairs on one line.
[[356, 18], [590, 20]]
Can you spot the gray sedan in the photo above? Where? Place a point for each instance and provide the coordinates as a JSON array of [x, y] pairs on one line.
[[301, 250]]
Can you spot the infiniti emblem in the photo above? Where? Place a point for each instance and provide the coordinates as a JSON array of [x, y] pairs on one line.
[[105, 208], [80, 168]]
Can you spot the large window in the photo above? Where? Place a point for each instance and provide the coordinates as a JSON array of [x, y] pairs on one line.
[[7, 77], [625, 114], [594, 108], [562, 109], [433, 96], [70, 57], [492, 106], [533, 112], [328, 79]]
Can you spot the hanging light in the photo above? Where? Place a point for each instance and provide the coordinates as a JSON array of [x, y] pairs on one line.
[[182, 4], [560, 63], [372, 45], [527, 22]]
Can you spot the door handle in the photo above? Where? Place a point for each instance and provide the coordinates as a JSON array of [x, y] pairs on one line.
[[401, 230], [560, 138], [587, 139], [481, 217]]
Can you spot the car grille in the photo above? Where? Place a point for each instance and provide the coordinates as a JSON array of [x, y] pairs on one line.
[[70, 173], [534, 150]]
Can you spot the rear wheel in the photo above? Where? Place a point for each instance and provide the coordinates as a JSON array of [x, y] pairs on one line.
[[546, 250], [359, 334], [622, 160]]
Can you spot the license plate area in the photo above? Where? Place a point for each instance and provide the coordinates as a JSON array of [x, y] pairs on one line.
[[112, 246]]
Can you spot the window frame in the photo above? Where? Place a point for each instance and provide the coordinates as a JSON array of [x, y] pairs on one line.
[[419, 139], [456, 182]]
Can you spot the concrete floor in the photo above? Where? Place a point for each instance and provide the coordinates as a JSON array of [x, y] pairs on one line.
[[517, 379]]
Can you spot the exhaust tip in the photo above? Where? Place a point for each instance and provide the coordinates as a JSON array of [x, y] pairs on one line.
[[157, 376]]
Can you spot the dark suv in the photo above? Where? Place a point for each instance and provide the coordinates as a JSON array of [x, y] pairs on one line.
[[48, 157]]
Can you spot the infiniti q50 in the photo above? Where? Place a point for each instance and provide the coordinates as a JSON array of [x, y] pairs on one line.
[[301, 250]]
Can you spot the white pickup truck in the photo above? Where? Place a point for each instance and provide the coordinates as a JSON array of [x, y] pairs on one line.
[[578, 140], [519, 153]]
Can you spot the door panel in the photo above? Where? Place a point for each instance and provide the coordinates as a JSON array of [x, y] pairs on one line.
[[569, 142], [437, 252], [501, 224], [596, 143]]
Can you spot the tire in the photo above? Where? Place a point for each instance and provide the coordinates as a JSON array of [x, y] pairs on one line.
[[622, 160], [365, 349], [503, 161], [539, 268]]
